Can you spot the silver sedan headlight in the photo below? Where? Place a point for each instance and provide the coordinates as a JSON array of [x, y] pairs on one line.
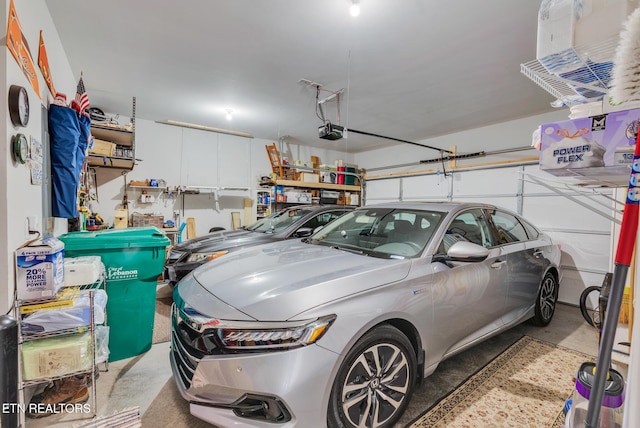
[[256, 336], [205, 257]]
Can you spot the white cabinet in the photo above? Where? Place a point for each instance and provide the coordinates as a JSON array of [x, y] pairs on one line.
[[214, 160], [199, 165], [234, 161]]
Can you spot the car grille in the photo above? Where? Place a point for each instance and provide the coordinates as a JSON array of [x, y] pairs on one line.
[[189, 346]]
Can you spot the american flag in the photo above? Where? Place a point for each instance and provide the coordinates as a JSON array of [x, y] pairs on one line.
[[82, 99]]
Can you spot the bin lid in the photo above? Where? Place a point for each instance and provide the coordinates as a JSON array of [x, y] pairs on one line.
[[614, 385], [132, 237]]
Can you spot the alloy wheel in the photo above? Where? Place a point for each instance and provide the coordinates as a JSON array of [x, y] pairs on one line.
[[376, 386], [548, 297]]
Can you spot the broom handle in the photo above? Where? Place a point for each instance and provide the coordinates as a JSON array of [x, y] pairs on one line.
[[624, 253]]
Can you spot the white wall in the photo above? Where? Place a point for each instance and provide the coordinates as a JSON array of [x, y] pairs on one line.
[[18, 197], [191, 157]]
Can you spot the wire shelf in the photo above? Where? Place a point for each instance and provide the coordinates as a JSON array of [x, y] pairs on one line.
[[577, 75]]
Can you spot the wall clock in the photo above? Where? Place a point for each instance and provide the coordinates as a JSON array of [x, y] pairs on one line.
[[18, 105], [20, 148]]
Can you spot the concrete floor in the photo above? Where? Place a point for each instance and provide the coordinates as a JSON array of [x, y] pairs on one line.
[[137, 381]]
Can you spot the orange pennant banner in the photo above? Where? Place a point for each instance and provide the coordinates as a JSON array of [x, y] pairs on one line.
[[19, 48], [43, 63]]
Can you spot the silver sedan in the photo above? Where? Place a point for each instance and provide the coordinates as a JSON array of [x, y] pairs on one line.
[[336, 329]]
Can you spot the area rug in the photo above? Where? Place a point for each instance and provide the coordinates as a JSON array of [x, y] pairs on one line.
[[525, 386], [162, 320]]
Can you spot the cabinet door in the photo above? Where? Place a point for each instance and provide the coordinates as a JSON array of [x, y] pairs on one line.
[[199, 165], [159, 147], [234, 166]]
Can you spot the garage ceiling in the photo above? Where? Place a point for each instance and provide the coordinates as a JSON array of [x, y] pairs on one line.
[[410, 69]]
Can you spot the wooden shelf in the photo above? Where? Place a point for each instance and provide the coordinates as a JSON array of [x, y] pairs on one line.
[[146, 187], [110, 161], [311, 185], [119, 136], [124, 139]]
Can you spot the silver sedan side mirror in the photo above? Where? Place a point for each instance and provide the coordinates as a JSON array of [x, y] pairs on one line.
[[467, 252]]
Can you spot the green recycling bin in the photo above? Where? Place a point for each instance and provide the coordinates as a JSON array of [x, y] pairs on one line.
[[133, 259]]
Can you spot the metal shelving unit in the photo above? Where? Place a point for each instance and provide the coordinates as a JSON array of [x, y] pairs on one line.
[[575, 76], [28, 337], [124, 139]]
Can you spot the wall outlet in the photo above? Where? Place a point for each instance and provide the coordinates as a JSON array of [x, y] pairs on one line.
[[33, 224]]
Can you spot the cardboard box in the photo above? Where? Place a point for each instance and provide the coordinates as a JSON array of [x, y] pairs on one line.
[[298, 196], [101, 147], [329, 197], [309, 177], [328, 174], [138, 219], [56, 356], [595, 150], [40, 269], [121, 219]]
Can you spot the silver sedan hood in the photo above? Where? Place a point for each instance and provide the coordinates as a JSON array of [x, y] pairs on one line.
[[223, 240], [280, 280]]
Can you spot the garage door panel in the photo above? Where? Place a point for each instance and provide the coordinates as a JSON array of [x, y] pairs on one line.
[[487, 182], [426, 187], [558, 212], [574, 281], [378, 190], [589, 251]]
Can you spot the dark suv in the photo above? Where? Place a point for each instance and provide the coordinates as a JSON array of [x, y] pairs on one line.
[[294, 222]]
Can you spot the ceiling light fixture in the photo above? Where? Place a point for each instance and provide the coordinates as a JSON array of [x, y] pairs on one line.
[[229, 115], [354, 10], [205, 128]]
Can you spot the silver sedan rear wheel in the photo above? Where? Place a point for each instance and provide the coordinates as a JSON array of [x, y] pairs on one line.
[[375, 382], [546, 301]]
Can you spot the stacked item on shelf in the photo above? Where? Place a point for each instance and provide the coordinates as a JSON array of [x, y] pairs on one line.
[[56, 356], [576, 44], [39, 269], [73, 310], [594, 150]]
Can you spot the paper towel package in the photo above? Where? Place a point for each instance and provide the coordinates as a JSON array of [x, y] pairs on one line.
[[596, 149], [40, 269], [83, 270]]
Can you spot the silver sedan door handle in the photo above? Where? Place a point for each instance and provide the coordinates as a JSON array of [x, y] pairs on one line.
[[498, 264], [538, 253]]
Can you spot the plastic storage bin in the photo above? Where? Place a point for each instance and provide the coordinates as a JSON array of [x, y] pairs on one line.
[[133, 260]]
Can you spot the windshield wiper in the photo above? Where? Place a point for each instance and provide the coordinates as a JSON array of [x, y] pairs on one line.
[[350, 250]]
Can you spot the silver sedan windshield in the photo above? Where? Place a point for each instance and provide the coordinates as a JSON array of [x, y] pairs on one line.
[[278, 221], [381, 232]]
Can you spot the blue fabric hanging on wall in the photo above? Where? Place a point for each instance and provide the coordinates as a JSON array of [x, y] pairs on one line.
[[69, 139]]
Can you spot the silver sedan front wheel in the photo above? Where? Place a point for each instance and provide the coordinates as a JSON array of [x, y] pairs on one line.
[[375, 382]]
